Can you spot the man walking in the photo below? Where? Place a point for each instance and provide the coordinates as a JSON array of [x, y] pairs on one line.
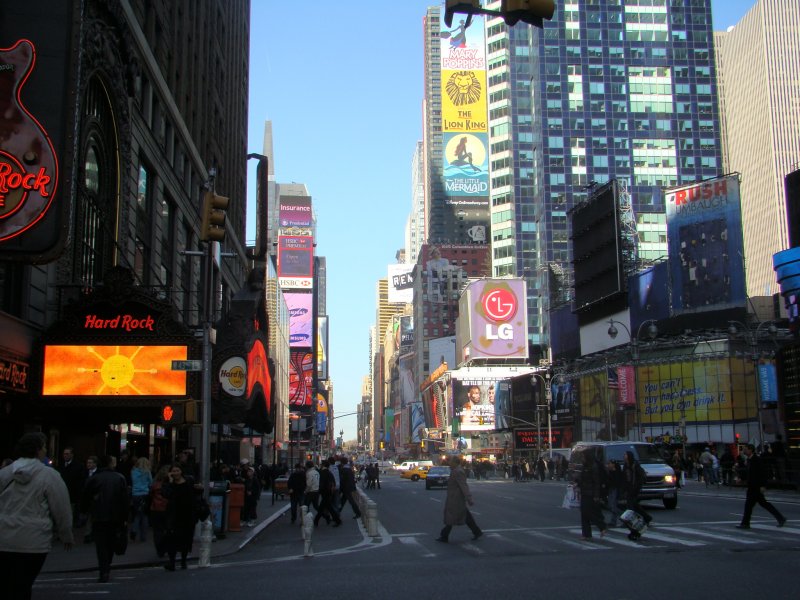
[[455, 506], [347, 481], [106, 496], [326, 486], [756, 482], [74, 475]]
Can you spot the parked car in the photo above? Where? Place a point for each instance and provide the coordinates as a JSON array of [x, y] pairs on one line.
[[660, 483], [437, 477], [417, 473], [410, 464]]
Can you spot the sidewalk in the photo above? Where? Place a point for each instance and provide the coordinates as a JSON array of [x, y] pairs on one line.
[[82, 556]]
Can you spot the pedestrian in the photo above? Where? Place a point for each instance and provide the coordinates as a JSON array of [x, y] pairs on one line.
[[252, 494], [180, 516], [614, 487], [105, 498], [726, 463], [296, 486], [756, 482], [74, 475], [677, 465], [347, 481], [714, 468], [141, 480], [34, 507], [377, 477], [590, 483], [327, 485], [158, 511], [455, 506], [541, 468], [634, 477], [705, 461], [311, 495]]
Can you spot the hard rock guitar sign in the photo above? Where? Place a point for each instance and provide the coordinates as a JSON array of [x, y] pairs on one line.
[[28, 164]]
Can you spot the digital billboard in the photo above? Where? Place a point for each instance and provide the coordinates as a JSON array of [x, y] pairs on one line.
[[496, 310], [301, 378], [296, 261], [322, 347], [300, 321], [472, 406], [704, 240], [113, 371], [295, 211], [466, 164]]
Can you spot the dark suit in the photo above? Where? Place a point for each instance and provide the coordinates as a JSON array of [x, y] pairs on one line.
[[757, 479], [106, 497], [74, 476]]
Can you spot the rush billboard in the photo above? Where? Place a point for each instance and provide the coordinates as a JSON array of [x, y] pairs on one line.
[[300, 318], [704, 238], [496, 324], [301, 378]]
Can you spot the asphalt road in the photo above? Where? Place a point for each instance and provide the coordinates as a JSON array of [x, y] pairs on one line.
[[531, 547]]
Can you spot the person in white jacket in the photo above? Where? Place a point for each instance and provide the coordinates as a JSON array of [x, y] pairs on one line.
[[34, 504]]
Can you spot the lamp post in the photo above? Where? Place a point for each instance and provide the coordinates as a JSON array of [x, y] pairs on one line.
[[751, 338], [548, 398], [652, 333]]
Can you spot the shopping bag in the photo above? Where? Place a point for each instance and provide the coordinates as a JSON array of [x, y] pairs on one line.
[[572, 497], [633, 520]]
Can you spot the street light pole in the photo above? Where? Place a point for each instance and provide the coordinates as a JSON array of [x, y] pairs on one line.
[[652, 333], [548, 394], [751, 338]]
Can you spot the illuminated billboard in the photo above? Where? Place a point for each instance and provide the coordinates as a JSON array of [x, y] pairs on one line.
[[295, 211], [496, 319], [322, 347], [704, 239], [472, 406], [466, 164], [296, 261], [300, 322], [301, 378], [113, 371]]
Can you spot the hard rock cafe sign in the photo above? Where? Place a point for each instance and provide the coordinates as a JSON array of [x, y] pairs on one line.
[[28, 164]]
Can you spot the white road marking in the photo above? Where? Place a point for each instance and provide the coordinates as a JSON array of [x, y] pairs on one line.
[[716, 536], [650, 534]]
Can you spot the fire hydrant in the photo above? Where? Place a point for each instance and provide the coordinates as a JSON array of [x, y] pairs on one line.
[[206, 537]]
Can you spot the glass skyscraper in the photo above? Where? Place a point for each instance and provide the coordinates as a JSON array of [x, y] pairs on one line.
[[621, 89]]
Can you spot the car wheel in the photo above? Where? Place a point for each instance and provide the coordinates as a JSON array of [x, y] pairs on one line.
[[415, 478], [670, 503]]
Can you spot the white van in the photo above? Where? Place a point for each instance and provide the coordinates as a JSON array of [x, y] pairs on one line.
[[410, 464]]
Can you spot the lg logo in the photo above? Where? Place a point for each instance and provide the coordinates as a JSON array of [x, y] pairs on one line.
[[499, 304]]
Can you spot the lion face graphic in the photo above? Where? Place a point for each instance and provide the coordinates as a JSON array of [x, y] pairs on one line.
[[463, 88]]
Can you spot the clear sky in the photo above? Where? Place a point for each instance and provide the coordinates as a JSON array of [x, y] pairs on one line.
[[342, 83]]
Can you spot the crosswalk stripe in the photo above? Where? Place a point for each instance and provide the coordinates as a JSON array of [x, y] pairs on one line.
[[772, 527], [612, 534], [574, 544], [715, 536], [672, 540]]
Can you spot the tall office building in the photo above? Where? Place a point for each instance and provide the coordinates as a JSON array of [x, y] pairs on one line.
[[757, 65], [415, 226], [623, 89]]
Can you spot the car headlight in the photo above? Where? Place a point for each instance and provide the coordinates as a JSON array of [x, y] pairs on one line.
[[669, 478]]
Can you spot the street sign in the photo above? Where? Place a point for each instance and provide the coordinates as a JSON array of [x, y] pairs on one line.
[[187, 365]]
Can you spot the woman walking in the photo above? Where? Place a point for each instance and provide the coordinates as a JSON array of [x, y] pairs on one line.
[[180, 516], [141, 479], [455, 507]]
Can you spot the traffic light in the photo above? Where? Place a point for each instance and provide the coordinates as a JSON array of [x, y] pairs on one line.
[[459, 6], [212, 228], [528, 11], [172, 414]]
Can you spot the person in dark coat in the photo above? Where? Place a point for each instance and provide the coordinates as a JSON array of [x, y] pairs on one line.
[[347, 483], [327, 484], [252, 494], [297, 487], [180, 517], [455, 506], [106, 498], [74, 475], [590, 482], [756, 482], [633, 480]]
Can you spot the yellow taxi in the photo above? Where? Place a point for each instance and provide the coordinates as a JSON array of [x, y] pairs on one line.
[[417, 473]]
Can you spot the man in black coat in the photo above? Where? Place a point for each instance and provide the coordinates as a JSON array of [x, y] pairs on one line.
[[756, 482], [106, 497], [297, 487], [347, 485], [74, 475], [327, 484]]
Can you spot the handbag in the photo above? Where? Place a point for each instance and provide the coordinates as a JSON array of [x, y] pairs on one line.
[[572, 497], [121, 540]]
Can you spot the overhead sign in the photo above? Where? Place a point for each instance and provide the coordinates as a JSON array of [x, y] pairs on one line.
[[233, 375]]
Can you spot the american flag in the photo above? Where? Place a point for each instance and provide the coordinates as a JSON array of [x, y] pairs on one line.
[[613, 378]]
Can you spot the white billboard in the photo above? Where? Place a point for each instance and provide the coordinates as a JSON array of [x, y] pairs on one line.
[[401, 283]]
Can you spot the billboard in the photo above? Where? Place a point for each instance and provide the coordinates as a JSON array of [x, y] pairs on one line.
[[442, 351], [296, 261], [300, 321], [301, 378], [401, 283], [322, 347], [295, 211], [564, 400], [704, 240], [464, 112], [497, 320], [112, 370], [408, 386], [471, 405]]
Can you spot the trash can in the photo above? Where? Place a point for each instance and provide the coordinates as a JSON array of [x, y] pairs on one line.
[[235, 504], [218, 503]]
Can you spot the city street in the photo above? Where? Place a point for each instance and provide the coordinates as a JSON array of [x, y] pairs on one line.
[[530, 543]]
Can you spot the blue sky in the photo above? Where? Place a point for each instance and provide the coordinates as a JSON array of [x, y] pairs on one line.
[[343, 88]]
